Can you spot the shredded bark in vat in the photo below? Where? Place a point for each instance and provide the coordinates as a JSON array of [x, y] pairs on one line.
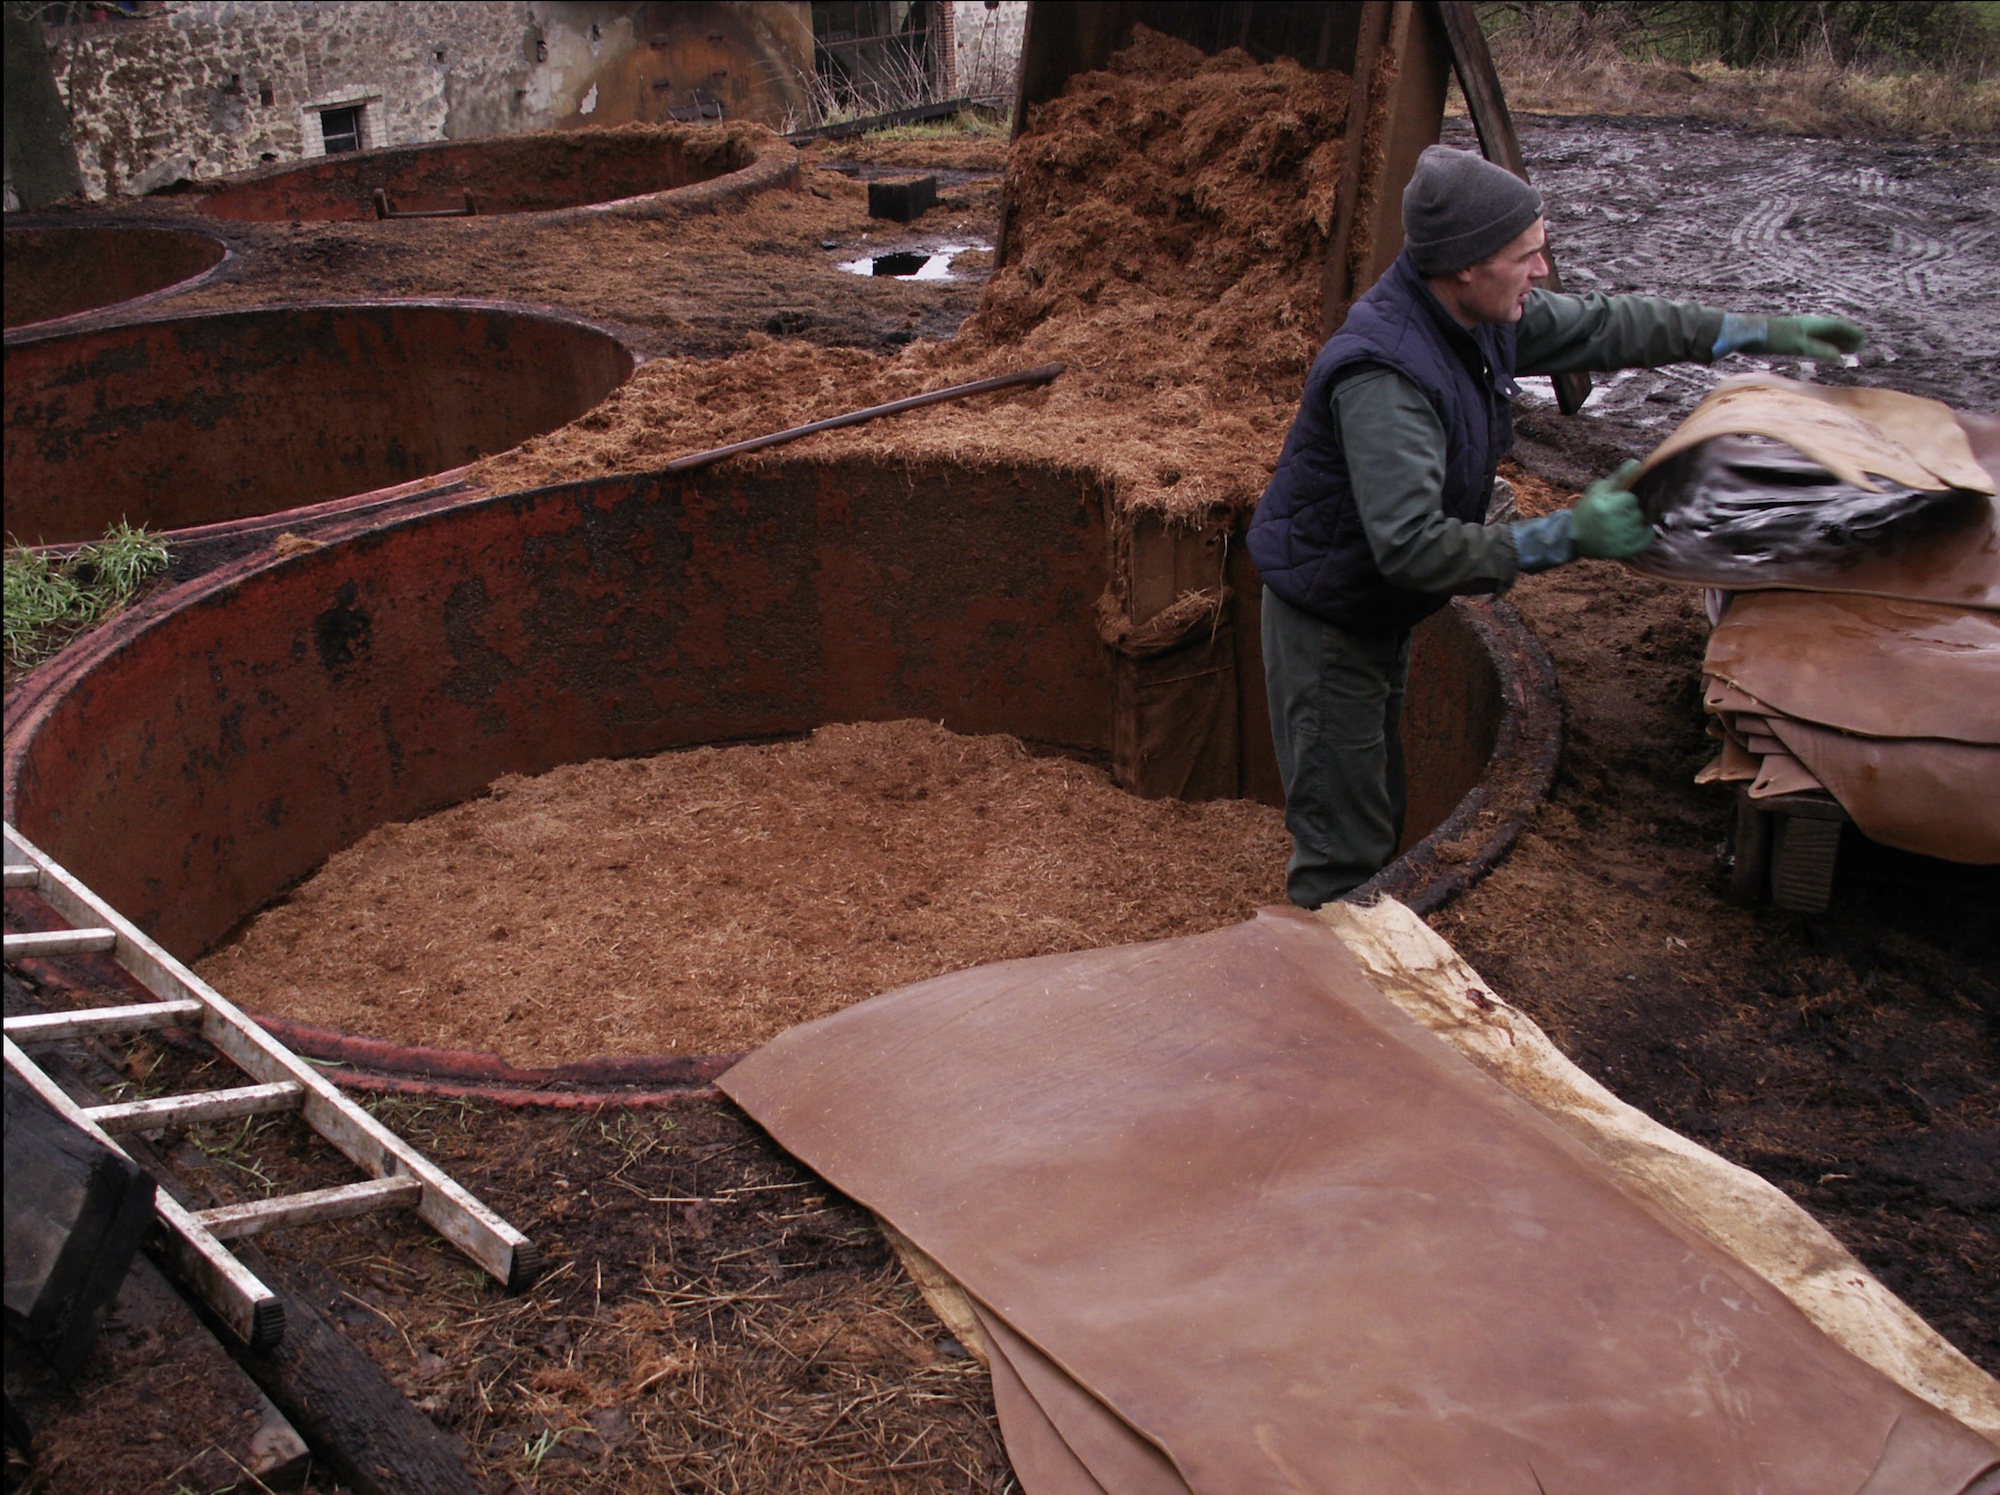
[[703, 901], [1170, 217]]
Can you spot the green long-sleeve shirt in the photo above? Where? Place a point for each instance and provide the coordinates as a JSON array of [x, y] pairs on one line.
[[1394, 442]]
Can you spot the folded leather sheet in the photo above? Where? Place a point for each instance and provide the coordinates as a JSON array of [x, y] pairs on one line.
[[1906, 486], [1871, 665], [1218, 1200], [1859, 435], [1938, 799], [1891, 707]]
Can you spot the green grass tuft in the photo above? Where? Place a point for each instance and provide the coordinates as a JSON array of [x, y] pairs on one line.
[[50, 598]]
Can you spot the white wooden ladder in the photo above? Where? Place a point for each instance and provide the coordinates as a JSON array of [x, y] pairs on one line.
[[397, 1174]]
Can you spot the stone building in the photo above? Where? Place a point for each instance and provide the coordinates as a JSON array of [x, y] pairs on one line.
[[987, 38], [165, 90]]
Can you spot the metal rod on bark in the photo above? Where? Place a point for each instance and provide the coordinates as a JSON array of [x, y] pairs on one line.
[[1040, 375]]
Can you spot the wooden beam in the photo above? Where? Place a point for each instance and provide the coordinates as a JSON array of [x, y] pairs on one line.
[[1415, 71], [1340, 290], [250, 1310]]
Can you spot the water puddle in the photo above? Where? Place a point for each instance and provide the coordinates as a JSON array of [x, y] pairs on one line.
[[910, 264]]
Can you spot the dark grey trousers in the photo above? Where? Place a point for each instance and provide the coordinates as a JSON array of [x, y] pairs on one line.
[[1336, 718]]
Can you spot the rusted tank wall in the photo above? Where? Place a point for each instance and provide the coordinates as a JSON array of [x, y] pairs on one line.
[[1451, 718], [517, 174], [199, 756], [59, 272], [193, 420]]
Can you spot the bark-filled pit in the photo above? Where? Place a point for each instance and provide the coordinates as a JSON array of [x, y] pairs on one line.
[[639, 170], [198, 758], [232, 416], [66, 271]]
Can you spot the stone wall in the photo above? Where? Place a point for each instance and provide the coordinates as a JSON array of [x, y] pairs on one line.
[[989, 46], [202, 88]]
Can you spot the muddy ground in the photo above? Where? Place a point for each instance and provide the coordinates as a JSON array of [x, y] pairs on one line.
[[693, 286], [1853, 1058], [1903, 239]]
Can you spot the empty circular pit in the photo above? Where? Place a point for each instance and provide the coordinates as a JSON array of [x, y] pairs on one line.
[[227, 416], [638, 171], [64, 272], [198, 757]]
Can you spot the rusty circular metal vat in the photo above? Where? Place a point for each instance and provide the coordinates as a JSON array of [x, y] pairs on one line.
[[582, 171], [56, 273], [203, 753], [217, 418]]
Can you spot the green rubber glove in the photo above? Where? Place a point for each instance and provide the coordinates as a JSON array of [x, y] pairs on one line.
[[1824, 338], [1606, 524]]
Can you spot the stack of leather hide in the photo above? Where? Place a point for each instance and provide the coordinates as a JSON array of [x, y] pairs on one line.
[[1858, 652], [1229, 1220]]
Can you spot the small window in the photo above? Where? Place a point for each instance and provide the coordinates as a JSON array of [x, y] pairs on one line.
[[340, 129]]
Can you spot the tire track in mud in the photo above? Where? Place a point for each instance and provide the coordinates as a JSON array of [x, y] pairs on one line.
[[1901, 238]]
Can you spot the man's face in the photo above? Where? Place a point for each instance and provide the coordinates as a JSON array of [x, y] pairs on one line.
[[1496, 289]]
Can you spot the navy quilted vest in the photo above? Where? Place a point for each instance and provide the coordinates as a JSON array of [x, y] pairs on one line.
[[1306, 537]]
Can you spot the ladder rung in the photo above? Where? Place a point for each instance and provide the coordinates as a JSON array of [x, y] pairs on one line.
[[191, 1110], [59, 942], [446, 1205], [233, 1222], [43, 1027], [23, 875]]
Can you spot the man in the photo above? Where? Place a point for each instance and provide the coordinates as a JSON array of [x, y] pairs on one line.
[[1373, 517]]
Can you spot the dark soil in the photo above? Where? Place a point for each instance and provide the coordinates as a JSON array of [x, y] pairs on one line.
[[1896, 237], [160, 1407], [711, 1316], [1852, 1057], [693, 286]]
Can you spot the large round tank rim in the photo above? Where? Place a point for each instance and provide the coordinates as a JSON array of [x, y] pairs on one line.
[[215, 391], [613, 529], [773, 164], [185, 246]]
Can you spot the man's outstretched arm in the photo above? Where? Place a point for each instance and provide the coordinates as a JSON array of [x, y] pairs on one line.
[[1561, 334]]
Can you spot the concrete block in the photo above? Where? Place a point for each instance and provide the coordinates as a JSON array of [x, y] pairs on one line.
[[901, 198]]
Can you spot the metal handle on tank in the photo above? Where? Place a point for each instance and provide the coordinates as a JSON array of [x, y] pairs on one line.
[[1041, 375]]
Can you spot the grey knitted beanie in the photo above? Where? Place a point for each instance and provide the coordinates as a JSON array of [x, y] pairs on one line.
[[1460, 208]]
